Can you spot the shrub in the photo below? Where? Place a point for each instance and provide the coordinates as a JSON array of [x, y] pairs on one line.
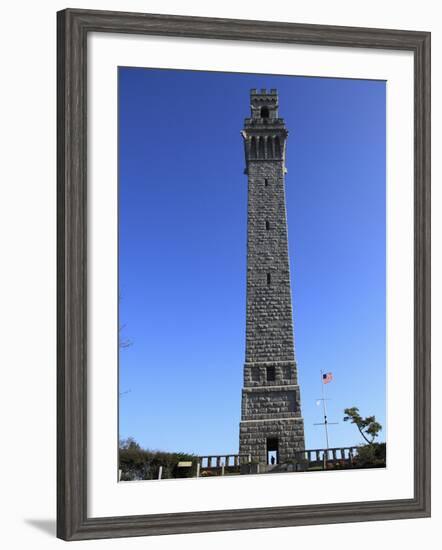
[[137, 463], [372, 455]]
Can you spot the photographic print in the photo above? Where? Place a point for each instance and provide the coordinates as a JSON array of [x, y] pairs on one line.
[[252, 216], [243, 274]]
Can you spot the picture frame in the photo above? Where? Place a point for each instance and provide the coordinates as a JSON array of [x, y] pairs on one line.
[[73, 28]]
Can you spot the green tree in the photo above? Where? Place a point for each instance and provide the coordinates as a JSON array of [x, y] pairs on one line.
[[368, 427], [129, 444]]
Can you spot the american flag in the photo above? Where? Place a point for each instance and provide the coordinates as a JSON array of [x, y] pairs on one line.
[[327, 377]]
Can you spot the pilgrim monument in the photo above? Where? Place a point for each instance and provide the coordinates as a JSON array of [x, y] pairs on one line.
[[271, 427]]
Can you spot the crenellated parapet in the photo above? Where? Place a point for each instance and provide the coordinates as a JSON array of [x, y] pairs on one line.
[[264, 132]]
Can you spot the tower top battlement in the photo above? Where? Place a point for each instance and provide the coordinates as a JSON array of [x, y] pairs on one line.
[[264, 133], [263, 91], [264, 104]]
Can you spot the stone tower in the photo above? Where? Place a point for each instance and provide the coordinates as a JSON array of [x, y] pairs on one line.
[[271, 428]]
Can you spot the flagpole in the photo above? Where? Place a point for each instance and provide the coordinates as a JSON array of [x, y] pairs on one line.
[[324, 409]]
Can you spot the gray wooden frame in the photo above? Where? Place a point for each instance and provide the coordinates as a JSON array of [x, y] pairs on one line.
[[73, 28]]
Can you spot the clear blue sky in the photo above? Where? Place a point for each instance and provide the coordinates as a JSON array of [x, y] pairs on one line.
[[182, 251]]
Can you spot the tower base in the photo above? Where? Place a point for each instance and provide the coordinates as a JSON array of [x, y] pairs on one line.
[[272, 441]]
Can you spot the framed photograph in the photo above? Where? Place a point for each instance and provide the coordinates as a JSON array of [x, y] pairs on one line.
[[227, 188]]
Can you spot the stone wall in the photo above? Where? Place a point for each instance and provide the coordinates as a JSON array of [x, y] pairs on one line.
[[269, 325], [255, 374], [270, 402]]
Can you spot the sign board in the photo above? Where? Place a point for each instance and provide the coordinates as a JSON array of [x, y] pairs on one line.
[[185, 464]]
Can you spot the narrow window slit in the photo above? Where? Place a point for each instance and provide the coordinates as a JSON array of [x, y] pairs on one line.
[[269, 278], [267, 225], [270, 374]]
